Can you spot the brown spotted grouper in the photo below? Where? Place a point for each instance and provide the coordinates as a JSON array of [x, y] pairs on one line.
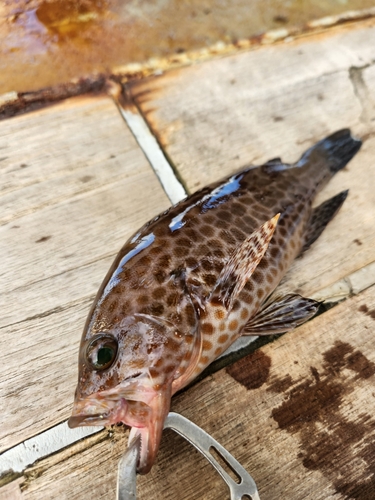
[[193, 280]]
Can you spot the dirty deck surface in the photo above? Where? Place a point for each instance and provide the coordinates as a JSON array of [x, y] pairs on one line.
[[78, 180]]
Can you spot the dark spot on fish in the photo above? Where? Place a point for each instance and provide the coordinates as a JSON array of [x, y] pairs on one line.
[[23, 165], [207, 265], [43, 238], [207, 230], [209, 219], [158, 293], [263, 264], [238, 234], [252, 371], [359, 242], [86, 178], [144, 261], [366, 310], [320, 97], [163, 262], [278, 118], [257, 277], [236, 305], [157, 309], [238, 209], [160, 277], [191, 233], [158, 249], [183, 242], [191, 263], [210, 279], [224, 215]]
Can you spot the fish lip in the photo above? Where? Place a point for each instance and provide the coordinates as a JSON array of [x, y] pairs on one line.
[[84, 419]]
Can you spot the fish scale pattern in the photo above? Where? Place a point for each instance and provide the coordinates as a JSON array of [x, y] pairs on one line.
[[178, 270]]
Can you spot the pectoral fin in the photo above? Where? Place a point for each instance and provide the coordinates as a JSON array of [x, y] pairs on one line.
[[242, 264], [281, 315]]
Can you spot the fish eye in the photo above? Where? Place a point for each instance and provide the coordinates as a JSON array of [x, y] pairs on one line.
[[102, 351]]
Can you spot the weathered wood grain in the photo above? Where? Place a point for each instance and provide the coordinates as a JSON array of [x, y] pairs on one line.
[[218, 116], [75, 185], [298, 414]]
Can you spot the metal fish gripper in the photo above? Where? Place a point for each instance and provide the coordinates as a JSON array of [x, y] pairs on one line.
[[204, 443]]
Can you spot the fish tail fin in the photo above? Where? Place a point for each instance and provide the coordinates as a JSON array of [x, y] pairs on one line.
[[335, 151]]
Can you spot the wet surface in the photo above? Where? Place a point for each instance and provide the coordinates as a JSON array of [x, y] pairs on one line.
[[47, 42], [332, 439], [329, 441]]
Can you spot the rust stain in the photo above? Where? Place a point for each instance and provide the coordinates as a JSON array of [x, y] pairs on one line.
[[338, 446], [252, 371], [46, 42], [31, 101]]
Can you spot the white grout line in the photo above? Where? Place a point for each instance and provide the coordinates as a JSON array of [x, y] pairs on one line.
[[154, 154], [46, 443]]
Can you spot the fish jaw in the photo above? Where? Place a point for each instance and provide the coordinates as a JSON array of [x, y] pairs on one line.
[[145, 415], [151, 434]]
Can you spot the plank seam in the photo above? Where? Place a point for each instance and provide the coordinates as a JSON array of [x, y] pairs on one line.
[[149, 144]]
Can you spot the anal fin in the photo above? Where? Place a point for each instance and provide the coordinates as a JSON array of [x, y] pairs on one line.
[[320, 217], [281, 315]]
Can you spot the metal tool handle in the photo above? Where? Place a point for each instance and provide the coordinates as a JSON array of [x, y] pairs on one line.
[[127, 472], [203, 442]]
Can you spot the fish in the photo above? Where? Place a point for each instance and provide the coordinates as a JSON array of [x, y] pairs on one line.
[[196, 278]]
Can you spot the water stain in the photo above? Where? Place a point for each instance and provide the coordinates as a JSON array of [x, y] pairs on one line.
[[367, 311], [252, 371], [280, 385], [337, 442]]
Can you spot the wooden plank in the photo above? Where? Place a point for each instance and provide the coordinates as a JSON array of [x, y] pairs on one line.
[[215, 117], [298, 414], [75, 185]]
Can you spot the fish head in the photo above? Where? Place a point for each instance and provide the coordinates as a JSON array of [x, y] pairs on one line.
[[126, 375]]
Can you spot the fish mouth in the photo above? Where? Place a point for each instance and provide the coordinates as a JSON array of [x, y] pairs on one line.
[[82, 420], [98, 411], [145, 414]]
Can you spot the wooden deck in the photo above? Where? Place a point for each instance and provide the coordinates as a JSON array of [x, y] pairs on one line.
[[298, 413]]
